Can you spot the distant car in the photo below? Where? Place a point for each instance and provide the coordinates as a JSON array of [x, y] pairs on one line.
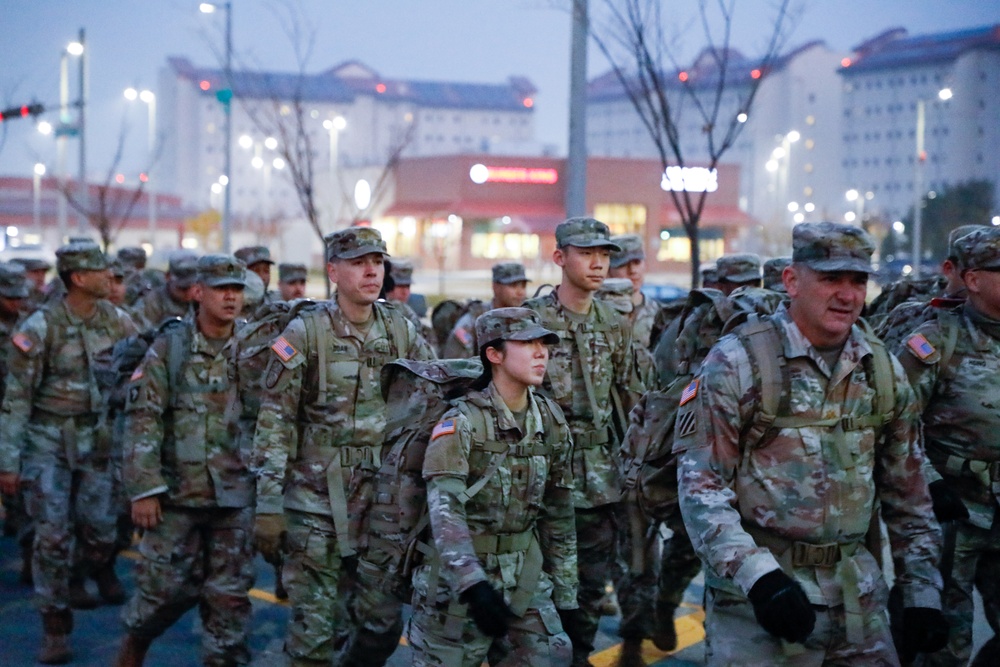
[[664, 293]]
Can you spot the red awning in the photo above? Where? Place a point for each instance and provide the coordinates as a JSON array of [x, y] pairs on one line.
[[479, 209]]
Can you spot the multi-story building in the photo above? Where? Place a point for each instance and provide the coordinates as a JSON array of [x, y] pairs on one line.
[[886, 81]]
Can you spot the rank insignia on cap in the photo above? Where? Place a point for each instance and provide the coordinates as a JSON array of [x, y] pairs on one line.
[[136, 374], [447, 427], [284, 349], [689, 392], [463, 336], [23, 342], [920, 347]]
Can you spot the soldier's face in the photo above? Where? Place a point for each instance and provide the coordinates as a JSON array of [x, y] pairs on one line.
[[262, 269], [358, 280], [984, 291], [96, 284], [523, 361], [221, 305], [584, 268], [825, 304], [510, 296], [117, 293], [292, 290], [634, 271]]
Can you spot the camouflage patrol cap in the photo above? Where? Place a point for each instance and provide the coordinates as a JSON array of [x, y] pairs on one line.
[[507, 273], [81, 256], [957, 233], [832, 246], [354, 242], [980, 249], [511, 324], [617, 292], [584, 233], [290, 273], [32, 263], [631, 249], [253, 292], [218, 270], [402, 272], [254, 254], [738, 268], [773, 269], [709, 274], [116, 266], [13, 281], [183, 269], [133, 256]]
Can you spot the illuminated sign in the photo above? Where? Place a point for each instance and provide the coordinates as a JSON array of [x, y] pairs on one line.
[[690, 179], [481, 173]]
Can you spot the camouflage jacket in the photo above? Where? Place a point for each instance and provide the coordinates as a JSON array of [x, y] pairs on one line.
[[6, 329], [815, 483], [531, 491], [157, 306], [320, 433], [907, 316], [642, 318], [51, 371], [178, 441], [590, 370], [462, 343], [958, 397]]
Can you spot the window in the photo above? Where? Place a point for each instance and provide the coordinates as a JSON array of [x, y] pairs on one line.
[[491, 242], [622, 218], [675, 247]]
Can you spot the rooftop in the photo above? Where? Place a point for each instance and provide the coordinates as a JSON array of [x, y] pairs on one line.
[[895, 48]]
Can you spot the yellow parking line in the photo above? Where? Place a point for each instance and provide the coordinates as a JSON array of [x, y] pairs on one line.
[[690, 631]]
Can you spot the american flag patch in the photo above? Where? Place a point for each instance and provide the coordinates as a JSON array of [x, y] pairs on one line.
[[23, 342], [689, 392], [463, 336], [284, 349], [447, 427], [136, 374], [920, 347]]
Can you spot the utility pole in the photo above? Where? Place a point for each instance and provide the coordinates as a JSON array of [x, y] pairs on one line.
[[576, 159]]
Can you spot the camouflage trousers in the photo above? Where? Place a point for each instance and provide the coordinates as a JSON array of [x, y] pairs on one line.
[[320, 587], [200, 556], [377, 615], [17, 523], [733, 636], [597, 550]]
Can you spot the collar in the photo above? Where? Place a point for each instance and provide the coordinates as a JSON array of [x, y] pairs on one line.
[[796, 344], [505, 418]]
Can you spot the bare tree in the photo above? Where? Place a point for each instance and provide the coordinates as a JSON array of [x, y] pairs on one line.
[[718, 87]]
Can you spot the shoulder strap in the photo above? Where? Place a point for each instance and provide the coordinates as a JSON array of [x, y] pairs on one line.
[[949, 327], [399, 342], [317, 350], [881, 375], [178, 342]]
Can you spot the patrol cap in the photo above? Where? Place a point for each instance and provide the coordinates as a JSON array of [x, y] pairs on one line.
[[402, 272], [81, 256], [354, 242], [584, 233], [631, 249], [507, 273], [738, 268], [290, 273], [183, 269], [13, 281], [832, 246], [133, 256], [980, 249], [218, 270], [253, 291], [32, 263], [254, 254], [512, 324], [709, 274], [617, 292], [957, 233], [116, 266], [773, 269]]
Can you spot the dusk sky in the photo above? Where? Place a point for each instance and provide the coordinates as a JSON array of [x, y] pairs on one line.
[[481, 41]]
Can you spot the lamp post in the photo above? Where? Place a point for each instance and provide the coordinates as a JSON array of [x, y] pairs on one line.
[[209, 8], [334, 126], [78, 48], [944, 95], [149, 99], [36, 191]]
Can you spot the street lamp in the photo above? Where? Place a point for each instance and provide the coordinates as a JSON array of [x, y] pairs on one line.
[[944, 95], [76, 49], [36, 209], [149, 99], [209, 8], [334, 126]]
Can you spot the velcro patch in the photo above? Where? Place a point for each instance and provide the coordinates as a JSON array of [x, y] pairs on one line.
[[136, 374], [920, 346], [687, 424], [446, 427], [463, 336], [23, 342], [690, 391], [284, 349]]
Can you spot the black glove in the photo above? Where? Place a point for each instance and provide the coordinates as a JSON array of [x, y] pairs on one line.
[[781, 607], [948, 506], [487, 608], [572, 622], [924, 630]]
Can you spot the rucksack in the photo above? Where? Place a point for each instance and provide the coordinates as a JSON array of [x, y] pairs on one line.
[[113, 367], [447, 314]]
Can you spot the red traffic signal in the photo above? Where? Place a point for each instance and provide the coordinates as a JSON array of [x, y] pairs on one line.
[[22, 111]]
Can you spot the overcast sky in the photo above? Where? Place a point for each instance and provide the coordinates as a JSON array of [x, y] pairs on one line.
[[482, 41]]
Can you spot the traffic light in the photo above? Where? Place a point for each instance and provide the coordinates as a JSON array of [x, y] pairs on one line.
[[23, 111]]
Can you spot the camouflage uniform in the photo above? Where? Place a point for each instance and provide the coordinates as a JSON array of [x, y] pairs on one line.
[[773, 269], [953, 363], [461, 342], [516, 532], [52, 430], [179, 448], [36, 297], [591, 372], [806, 488], [157, 305], [318, 444], [251, 255]]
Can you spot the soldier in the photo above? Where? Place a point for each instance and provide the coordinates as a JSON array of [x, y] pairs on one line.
[[138, 279], [710, 277], [258, 259], [401, 274], [52, 439], [790, 432], [292, 281], [499, 495], [619, 293], [254, 295], [175, 297], [952, 362], [319, 435], [734, 271], [591, 375], [631, 263], [773, 268], [118, 288], [35, 270], [510, 286]]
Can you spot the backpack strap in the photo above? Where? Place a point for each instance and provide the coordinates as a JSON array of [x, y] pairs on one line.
[[950, 325], [317, 350], [178, 333], [397, 331]]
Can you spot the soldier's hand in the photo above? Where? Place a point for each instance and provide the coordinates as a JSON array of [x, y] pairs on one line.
[[146, 512], [781, 607], [948, 506], [9, 482], [487, 608], [268, 535], [924, 630]]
